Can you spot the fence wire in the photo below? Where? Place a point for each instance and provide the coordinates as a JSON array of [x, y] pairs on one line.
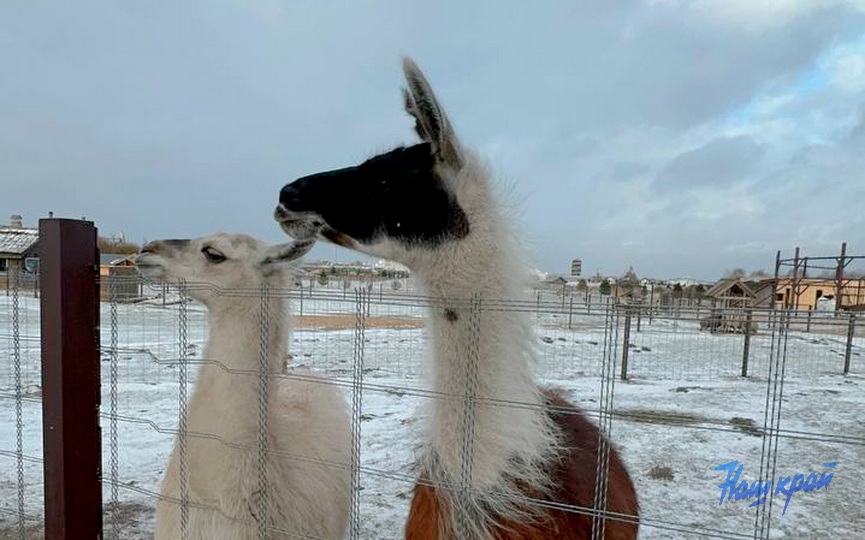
[[665, 388]]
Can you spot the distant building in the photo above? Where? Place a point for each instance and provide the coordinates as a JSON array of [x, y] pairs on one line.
[[576, 268], [554, 281], [121, 269], [805, 294], [17, 244], [740, 293], [809, 293], [390, 266]]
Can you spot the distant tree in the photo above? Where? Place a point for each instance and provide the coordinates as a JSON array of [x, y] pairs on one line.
[[396, 285], [322, 278], [121, 246], [735, 273], [678, 291], [694, 291], [582, 285], [629, 283], [605, 287], [760, 274], [629, 275]]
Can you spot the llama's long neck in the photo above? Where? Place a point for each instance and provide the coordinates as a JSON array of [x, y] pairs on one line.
[[484, 354], [228, 389]]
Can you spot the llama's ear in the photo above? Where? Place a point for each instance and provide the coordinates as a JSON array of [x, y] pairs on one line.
[[285, 253], [431, 123]]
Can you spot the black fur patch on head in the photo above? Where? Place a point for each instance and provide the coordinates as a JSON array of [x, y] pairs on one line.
[[396, 195]]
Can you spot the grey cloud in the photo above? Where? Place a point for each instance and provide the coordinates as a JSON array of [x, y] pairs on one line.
[[627, 170], [717, 163]]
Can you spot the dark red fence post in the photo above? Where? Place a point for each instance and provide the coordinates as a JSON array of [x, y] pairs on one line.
[[70, 379]]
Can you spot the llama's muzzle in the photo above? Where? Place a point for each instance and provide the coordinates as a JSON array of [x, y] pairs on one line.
[[149, 264], [298, 225]]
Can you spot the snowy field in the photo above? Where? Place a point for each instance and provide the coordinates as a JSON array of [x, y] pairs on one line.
[[683, 411]]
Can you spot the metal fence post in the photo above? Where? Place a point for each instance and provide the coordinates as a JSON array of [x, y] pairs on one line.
[[626, 344], [851, 330], [70, 379], [301, 298], [571, 314], [746, 347]]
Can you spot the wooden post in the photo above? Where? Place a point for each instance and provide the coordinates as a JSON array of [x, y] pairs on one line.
[[626, 344], [839, 278], [564, 289], [571, 314], [795, 288], [746, 347], [70, 379], [651, 302], [851, 330], [777, 281]]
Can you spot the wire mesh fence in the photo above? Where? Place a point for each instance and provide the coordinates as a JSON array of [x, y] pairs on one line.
[[678, 393]]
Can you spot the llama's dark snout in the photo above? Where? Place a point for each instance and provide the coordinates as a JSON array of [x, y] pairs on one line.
[[291, 196]]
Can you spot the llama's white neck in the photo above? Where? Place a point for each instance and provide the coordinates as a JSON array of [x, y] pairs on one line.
[[488, 354], [228, 389]]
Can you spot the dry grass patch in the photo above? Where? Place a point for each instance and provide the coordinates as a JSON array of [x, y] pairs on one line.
[[667, 418], [345, 322], [661, 473]]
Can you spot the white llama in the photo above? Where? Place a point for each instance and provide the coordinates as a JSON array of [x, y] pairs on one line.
[[432, 208], [307, 422]]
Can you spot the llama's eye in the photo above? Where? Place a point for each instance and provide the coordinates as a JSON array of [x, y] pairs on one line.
[[213, 255]]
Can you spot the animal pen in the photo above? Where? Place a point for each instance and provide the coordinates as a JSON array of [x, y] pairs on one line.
[[95, 393]]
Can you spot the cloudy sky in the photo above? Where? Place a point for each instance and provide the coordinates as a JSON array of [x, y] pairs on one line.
[[683, 137]]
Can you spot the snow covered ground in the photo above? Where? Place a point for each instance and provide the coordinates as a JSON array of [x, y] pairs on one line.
[[683, 411]]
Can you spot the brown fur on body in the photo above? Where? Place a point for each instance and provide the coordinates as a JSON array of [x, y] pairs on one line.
[[574, 484]]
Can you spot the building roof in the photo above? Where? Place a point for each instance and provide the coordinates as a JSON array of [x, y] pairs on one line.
[[725, 285], [115, 259], [17, 241]]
